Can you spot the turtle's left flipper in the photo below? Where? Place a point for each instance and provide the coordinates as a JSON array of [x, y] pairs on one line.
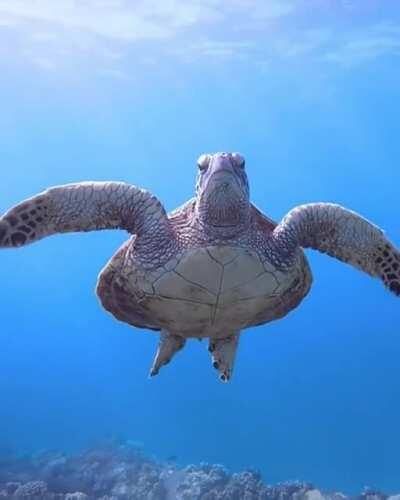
[[169, 344], [223, 353], [340, 233]]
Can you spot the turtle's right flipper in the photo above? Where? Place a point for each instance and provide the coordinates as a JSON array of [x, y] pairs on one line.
[[85, 206], [169, 344]]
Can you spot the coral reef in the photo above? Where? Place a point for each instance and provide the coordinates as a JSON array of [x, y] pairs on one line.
[[123, 472]]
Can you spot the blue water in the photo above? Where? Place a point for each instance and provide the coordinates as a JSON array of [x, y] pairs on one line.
[[315, 396]]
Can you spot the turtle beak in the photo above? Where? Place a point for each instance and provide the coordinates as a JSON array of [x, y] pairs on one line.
[[221, 165], [222, 176]]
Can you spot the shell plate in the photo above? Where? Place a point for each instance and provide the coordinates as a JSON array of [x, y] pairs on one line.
[[202, 292]]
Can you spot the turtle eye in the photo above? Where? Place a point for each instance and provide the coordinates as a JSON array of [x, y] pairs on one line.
[[203, 162], [238, 160]]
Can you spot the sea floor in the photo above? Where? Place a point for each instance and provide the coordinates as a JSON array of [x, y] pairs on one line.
[[123, 472]]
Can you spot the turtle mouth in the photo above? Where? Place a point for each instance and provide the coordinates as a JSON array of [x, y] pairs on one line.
[[224, 202], [224, 183]]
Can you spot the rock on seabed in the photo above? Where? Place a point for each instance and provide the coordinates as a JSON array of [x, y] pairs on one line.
[[123, 472]]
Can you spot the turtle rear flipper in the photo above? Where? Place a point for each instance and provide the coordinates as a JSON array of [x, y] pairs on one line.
[[168, 346], [223, 352]]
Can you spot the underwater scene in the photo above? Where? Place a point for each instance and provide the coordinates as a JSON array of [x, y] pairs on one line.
[[200, 249]]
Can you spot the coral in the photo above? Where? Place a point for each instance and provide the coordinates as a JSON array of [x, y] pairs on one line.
[[32, 490], [122, 472]]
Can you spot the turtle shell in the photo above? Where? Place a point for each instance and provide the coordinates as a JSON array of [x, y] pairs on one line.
[[202, 292]]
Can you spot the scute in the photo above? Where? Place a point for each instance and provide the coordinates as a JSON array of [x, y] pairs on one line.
[[224, 254], [264, 285], [176, 286], [177, 315], [199, 268], [244, 268]]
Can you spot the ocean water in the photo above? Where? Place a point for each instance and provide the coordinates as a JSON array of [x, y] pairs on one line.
[[309, 94]]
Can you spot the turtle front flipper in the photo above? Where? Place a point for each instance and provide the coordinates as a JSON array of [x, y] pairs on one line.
[[340, 233], [169, 344], [85, 206], [223, 352]]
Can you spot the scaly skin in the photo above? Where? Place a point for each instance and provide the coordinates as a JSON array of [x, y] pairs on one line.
[[88, 206], [340, 233], [220, 216]]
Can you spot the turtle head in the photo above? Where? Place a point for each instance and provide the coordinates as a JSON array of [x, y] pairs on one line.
[[222, 191]]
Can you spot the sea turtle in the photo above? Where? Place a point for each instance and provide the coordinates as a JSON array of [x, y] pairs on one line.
[[211, 268]]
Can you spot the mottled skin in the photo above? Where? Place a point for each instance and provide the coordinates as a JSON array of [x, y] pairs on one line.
[[211, 268]]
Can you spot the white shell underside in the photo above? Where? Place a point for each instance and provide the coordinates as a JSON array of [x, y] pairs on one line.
[[210, 292]]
